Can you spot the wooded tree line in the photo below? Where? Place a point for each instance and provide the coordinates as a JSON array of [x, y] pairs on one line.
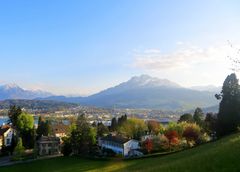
[[23, 125], [227, 120]]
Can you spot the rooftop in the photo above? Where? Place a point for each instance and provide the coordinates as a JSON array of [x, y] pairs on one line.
[[4, 128], [49, 139], [59, 128], [116, 139]]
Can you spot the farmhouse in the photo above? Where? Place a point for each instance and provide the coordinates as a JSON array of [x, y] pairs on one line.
[[6, 134], [119, 145]]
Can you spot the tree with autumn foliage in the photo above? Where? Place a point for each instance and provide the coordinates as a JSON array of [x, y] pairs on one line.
[[148, 145], [173, 138], [154, 127], [178, 127]]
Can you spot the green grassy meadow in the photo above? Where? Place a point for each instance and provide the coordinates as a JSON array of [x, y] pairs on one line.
[[219, 156]]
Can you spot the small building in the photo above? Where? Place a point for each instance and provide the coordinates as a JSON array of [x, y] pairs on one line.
[[48, 145], [119, 145], [59, 130], [6, 134]]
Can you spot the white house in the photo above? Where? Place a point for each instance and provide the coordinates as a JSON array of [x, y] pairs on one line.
[[6, 134], [119, 145]]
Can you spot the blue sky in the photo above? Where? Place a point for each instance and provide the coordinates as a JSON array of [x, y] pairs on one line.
[[81, 47]]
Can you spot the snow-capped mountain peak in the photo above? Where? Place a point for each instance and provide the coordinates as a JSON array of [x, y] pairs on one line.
[[148, 81]]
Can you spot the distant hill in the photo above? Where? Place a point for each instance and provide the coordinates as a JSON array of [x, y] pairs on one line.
[[146, 92], [13, 91], [39, 105], [139, 92]]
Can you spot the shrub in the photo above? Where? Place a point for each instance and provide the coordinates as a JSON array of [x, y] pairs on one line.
[[19, 150], [160, 143], [203, 138], [191, 133]]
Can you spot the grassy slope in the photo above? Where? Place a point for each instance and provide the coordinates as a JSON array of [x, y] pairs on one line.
[[222, 155]]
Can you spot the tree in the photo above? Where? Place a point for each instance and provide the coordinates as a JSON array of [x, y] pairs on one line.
[[94, 124], [13, 114], [210, 123], [83, 137], [148, 145], [198, 116], [122, 120], [19, 149], [25, 122], [25, 127], [113, 124], [133, 128], [13, 144], [160, 142], [67, 147], [173, 138], [187, 117], [102, 130], [43, 127], [229, 109], [178, 127], [153, 127]]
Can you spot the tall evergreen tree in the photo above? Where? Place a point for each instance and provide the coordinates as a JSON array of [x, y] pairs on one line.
[[114, 124], [13, 114], [229, 109], [43, 127]]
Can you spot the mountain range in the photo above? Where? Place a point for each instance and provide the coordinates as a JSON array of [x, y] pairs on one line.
[[13, 91], [139, 92]]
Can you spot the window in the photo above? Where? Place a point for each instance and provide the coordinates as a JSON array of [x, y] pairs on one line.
[[8, 141]]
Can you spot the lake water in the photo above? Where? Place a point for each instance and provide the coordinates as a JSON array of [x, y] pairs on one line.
[[4, 120]]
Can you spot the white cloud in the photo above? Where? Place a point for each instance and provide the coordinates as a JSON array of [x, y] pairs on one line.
[[183, 57], [189, 64]]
